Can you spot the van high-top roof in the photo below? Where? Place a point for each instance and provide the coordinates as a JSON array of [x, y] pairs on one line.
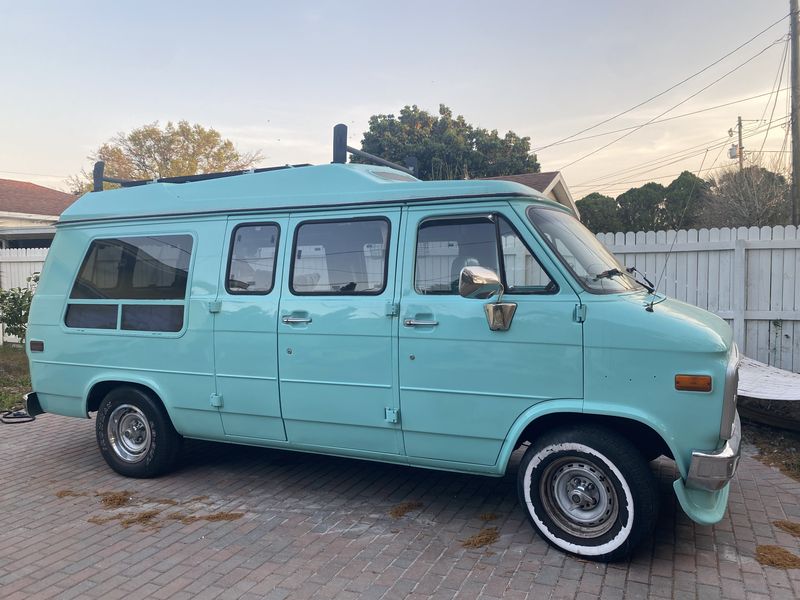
[[305, 187]]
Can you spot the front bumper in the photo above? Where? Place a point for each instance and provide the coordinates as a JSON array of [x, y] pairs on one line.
[[32, 406], [711, 471]]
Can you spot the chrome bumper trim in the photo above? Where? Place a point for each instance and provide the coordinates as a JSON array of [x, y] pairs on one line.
[[710, 471]]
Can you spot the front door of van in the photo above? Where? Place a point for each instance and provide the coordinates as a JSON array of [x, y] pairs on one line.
[[335, 344], [245, 329], [462, 385]]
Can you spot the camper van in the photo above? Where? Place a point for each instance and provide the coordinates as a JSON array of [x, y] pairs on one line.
[[354, 310]]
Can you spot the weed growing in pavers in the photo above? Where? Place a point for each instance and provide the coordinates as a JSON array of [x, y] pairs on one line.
[[483, 538], [775, 556], [789, 526], [404, 508]]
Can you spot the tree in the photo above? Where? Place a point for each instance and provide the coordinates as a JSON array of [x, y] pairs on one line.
[[599, 213], [748, 197], [640, 208], [447, 147], [15, 304], [684, 202], [151, 151]]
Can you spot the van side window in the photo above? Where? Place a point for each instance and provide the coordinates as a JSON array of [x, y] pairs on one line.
[[446, 246], [135, 268], [152, 270], [251, 264], [340, 257], [522, 271]]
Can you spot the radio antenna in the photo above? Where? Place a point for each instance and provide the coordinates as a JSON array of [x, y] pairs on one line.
[[649, 307]]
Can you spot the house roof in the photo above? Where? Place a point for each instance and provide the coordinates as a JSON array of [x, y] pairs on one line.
[[302, 188], [31, 199], [551, 184]]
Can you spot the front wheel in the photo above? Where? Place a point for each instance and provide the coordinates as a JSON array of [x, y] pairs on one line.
[[588, 491], [135, 435]]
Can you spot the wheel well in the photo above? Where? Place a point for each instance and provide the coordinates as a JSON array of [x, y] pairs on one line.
[[100, 390], [642, 436]]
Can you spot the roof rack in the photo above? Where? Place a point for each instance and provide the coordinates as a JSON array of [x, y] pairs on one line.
[[98, 176], [340, 150]]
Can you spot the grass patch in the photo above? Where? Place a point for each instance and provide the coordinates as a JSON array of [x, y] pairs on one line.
[[789, 527], [15, 379]]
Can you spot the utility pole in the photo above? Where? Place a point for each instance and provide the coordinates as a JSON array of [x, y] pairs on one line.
[[795, 112], [741, 148]]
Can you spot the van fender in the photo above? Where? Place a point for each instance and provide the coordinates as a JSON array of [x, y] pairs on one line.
[[124, 377], [645, 418], [579, 406], [548, 407]]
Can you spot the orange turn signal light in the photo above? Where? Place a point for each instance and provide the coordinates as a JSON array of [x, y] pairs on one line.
[[693, 383]]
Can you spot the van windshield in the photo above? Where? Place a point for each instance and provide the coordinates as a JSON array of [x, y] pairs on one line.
[[595, 268]]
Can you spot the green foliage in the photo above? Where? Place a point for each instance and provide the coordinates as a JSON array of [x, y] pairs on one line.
[[447, 147], [685, 202], [151, 151], [15, 305], [600, 213], [640, 208]]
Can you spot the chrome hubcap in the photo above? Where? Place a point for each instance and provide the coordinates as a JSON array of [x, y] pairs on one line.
[[129, 433], [579, 497]]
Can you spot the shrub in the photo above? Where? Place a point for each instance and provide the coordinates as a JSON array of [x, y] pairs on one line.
[[15, 305]]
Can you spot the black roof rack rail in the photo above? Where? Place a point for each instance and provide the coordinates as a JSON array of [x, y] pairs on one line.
[[99, 177], [340, 150]]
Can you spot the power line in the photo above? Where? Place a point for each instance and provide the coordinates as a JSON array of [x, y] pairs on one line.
[[701, 90], [669, 89], [34, 174], [671, 157], [777, 85], [614, 185], [689, 114]]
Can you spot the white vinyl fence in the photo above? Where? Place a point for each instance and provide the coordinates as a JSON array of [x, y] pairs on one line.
[[16, 265], [748, 276]]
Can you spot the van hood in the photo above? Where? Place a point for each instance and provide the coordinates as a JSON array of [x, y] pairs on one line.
[[623, 321]]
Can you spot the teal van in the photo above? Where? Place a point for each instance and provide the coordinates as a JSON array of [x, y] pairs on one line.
[[354, 310]]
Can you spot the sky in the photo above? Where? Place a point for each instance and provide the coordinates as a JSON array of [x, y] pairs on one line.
[[276, 77]]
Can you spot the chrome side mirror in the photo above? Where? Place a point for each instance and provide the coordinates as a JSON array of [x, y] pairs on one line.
[[482, 283], [479, 283]]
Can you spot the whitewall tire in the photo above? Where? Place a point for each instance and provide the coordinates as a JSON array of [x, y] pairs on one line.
[[588, 491]]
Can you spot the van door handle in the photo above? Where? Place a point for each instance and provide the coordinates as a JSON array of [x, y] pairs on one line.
[[419, 323], [290, 320]]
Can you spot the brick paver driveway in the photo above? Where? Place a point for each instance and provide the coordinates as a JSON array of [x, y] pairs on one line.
[[321, 527]]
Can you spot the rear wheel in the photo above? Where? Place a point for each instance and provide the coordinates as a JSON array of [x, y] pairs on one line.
[[588, 491], [134, 433]]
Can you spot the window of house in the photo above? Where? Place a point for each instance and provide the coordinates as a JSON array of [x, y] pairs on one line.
[[340, 257], [446, 246], [152, 270], [251, 265]]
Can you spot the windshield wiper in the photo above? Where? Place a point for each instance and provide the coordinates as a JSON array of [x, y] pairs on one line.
[[647, 283], [608, 274]]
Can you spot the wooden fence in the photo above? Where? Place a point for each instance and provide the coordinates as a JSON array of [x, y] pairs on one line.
[[748, 276]]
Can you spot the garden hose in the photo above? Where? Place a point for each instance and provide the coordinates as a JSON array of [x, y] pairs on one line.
[[13, 417]]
